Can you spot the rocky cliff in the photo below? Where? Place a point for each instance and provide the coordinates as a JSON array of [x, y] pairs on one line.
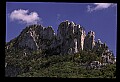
[[71, 38]]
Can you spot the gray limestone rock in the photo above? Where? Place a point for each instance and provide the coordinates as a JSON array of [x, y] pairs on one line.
[[70, 38], [89, 40]]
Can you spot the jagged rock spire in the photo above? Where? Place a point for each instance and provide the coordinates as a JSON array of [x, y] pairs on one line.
[[89, 40], [70, 37]]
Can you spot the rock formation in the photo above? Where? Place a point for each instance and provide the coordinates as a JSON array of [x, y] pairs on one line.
[[70, 38], [90, 40]]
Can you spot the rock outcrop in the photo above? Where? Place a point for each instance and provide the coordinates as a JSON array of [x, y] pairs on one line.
[[36, 37], [70, 38], [89, 40]]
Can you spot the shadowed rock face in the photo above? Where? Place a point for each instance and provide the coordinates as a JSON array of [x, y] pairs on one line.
[[70, 37], [35, 37], [90, 40], [29, 41]]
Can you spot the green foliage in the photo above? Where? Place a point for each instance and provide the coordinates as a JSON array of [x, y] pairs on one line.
[[57, 66], [109, 71], [88, 56], [36, 64]]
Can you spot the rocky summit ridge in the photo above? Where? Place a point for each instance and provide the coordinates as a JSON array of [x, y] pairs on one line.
[[71, 38]]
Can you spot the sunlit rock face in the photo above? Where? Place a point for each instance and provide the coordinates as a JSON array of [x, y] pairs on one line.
[[36, 37], [89, 40], [81, 36], [75, 42], [70, 38]]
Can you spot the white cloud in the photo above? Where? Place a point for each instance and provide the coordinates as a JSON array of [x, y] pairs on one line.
[[99, 6], [23, 16]]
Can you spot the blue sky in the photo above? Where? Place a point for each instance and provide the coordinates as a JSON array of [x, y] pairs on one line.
[[100, 18]]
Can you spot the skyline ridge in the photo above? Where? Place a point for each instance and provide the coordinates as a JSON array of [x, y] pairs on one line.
[[103, 22]]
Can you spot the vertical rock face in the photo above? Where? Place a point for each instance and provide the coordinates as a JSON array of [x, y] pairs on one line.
[[48, 33], [90, 40], [75, 42], [28, 37], [82, 38], [36, 37], [63, 37], [70, 38]]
